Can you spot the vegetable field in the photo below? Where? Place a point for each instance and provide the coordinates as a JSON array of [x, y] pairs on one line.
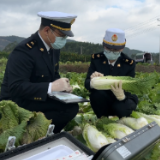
[[96, 133], [30, 126]]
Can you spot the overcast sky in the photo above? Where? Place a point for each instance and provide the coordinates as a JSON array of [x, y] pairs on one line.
[[137, 17]]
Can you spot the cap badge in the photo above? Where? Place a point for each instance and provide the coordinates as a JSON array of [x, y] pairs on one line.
[[104, 62], [114, 37], [98, 55], [118, 65], [41, 49]]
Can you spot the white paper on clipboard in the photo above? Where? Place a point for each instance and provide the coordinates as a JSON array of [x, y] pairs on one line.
[[67, 97], [64, 95]]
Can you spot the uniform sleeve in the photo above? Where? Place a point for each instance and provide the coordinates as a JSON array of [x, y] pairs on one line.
[[57, 76], [91, 70], [131, 72], [57, 57], [20, 67]]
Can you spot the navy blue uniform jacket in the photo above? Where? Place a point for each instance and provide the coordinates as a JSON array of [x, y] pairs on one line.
[[124, 66], [29, 72]]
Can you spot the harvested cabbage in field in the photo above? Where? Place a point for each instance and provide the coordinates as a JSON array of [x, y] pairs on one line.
[[9, 115], [76, 131], [133, 85], [17, 131], [25, 125], [75, 86], [133, 122], [149, 118], [117, 130], [37, 128], [155, 116], [94, 139], [24, 115]]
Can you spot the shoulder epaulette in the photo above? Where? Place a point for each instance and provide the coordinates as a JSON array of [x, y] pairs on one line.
[[31, 44], [97, 55], [127, 59]]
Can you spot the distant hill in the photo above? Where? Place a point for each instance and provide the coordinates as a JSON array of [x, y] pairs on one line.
[[5, 40], [90, 48], [8, 43], [10, 47]]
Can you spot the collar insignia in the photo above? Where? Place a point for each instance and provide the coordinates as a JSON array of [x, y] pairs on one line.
[[41, 49]]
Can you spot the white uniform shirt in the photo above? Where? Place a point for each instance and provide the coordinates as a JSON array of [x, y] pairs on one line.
[[47, 48]]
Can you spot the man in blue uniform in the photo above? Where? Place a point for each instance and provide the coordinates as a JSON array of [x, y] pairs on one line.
[[112, 61], [32, 70]]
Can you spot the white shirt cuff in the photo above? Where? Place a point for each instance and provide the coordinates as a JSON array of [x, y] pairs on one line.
[[50, 88]]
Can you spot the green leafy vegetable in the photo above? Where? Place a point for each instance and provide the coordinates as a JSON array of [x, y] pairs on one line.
[[133, 122], [134, 85], [117, 130]]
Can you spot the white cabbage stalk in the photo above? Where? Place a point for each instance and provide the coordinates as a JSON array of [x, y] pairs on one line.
[[110, 140], [94, 139], [77, 130], [149, 118], [133, 122], [155, 116], [75, 86], [102, 83], [117, 130], [85, 103], [137, 86]]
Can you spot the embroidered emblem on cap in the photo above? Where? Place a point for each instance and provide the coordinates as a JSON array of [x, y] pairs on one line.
[[114, 37]]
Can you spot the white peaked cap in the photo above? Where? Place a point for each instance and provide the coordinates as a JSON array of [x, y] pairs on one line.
[[114, 38], [58, 20]]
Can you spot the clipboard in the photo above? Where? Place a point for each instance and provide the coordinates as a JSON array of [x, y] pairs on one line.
[[65, 97]]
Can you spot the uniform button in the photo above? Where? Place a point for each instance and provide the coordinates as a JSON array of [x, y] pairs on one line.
[[42, 75], [35, 98], [40, 99]]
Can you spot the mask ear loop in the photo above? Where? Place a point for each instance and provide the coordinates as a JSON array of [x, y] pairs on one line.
[[53, 34], [49, 38]]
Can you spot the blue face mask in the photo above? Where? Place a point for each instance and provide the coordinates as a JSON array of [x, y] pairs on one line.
[[110, 55], [59, 42]]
